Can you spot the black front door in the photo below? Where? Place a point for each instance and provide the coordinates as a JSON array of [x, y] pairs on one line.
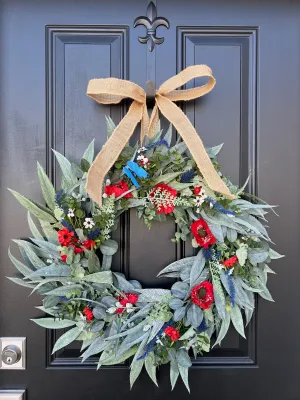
[[48, 52]]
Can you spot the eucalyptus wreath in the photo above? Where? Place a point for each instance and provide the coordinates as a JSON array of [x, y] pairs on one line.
[[69, 256]]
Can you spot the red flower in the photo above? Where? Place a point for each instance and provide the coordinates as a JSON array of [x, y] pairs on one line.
[[88, 244], [202, 233], [88, 313], [163, 196], [203, 294], [65, 237], [230, 261], [173, 333], [130, 298], [197, 190], [78, 250], [63, 257], [118, 189]]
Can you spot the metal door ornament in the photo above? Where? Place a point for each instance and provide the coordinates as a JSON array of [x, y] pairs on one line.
[[151, 22]]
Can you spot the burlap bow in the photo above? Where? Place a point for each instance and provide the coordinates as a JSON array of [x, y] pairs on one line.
[[112, 91]]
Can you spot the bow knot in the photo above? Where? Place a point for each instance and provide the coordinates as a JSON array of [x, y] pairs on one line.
[[113, 91]]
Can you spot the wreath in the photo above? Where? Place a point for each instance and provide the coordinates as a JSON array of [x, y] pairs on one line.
[[68, 259]]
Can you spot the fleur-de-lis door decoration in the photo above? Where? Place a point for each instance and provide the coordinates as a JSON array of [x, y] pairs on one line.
[[151, 22]]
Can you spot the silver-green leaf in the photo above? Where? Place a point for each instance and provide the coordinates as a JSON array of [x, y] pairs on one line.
[[54, 323], [66, 339]]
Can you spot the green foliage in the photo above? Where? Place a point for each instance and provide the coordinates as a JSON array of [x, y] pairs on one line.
[[34, 208], [51, 323], [46, 187], [115, 318]]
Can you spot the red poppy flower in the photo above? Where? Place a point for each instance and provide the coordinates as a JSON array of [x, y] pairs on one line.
[[65, 237], [88, 244], [230, 261], [202, 233], [173, 333], [130, 298], [118, 189], [197, 190], [88, 313], [203, 294], [163, 196]]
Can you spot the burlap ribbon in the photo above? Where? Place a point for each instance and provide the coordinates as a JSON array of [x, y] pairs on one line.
[[112, 91]]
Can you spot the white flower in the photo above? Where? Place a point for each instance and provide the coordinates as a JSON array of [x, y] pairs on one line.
[[83, 199], [143, 160], [158, 341], [108, 182], [230, 271], [211, 205], [129, 307], [111, 310], [104, 195], [220, 266], [71, 213], [88, 223], [198, 201], [141, 149], [49, 261]]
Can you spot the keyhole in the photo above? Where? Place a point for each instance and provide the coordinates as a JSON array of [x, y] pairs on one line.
[[9, 360]]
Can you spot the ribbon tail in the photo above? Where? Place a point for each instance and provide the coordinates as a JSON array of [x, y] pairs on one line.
[[144, 124], [111, 151], [153, 122], [195, 145], [131, 177]]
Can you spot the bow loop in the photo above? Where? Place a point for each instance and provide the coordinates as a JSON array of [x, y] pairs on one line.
[[168, 88], [113, 91]]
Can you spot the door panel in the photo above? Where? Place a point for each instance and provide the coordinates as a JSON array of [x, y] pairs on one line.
[[48, 52]]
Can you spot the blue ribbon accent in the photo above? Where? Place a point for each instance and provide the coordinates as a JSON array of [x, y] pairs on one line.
[[137, 170], [131, 177]]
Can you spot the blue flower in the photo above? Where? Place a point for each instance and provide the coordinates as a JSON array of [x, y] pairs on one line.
[[150, 346], [94, 233], [203, 326], [59, 196], [231, 288], [208, 254], [187, 176], [67, 225], [158, 143], [219, 207]]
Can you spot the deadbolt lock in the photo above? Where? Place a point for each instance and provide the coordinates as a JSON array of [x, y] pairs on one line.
[[11, 354]]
